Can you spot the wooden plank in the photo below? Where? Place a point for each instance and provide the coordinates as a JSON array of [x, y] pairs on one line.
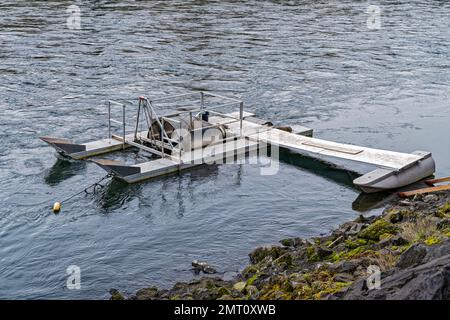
[[424, 190], [433, 181]]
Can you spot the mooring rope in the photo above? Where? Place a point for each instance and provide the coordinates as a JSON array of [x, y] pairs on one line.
[[96, 186]]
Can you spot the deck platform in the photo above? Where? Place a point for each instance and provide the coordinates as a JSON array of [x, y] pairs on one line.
[[234, 149]]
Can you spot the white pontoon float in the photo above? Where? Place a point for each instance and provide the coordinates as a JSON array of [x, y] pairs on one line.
[[195, 135]]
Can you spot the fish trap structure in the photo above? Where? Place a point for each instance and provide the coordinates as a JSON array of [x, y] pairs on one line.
[[208, 127]]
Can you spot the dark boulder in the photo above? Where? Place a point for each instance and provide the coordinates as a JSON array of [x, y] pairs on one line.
[[292, 242], [116, 295], [343, 277], [444, 223], [202, 266], [268, 251], [345, 266], [414, 255], [429, 281], [422, 273], [390, 241]]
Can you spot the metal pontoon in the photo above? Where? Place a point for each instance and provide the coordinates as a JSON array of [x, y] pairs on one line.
[[203, 133]]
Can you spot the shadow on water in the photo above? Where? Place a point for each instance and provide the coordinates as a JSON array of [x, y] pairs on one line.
[[364, 202], [321, 168], [63, 169], [116, 192], [370, 201], [205, 171]]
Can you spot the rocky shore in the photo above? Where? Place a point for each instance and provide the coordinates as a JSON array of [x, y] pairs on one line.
[[407, 247]]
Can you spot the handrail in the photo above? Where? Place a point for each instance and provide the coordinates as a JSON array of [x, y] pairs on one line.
[[146, 106], [112, 102], [221, 97], [163, 131], [194, 93], [173, 96]]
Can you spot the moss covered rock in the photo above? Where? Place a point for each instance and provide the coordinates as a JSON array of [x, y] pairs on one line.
[[239, 286], [268, 251], [223, 291], [376, 229], [116, 295]]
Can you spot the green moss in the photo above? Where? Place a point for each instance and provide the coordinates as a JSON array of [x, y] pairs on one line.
[[250, 271], [223, 291], [432, 241], [261, 253], [307, 277], [333, 288], [117, 296], [405, 247], [311, 253], [270, 292], [285, 260], [239, 286], [336, 256], [316, 253], [385, 236], [394, 216], [353, 254], [353, 244], [252, 279], [286, 242], [175, 297], [363, 242], [211, 285], [324, 275], [445, 209], [287, 286], [376, 229], [392, 211]]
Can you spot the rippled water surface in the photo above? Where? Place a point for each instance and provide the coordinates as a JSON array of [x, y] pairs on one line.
[[309, 62]]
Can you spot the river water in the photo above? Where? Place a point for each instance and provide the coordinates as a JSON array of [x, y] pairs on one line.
[[317, 63]]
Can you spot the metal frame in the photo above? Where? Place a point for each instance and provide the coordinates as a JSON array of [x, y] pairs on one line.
[[111, 102], [145, 106]]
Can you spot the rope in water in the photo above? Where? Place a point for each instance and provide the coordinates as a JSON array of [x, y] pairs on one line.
[[96, 186]]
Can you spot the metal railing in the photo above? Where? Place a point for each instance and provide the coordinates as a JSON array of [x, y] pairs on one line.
[[161, 140], [123, 123], [202, 107]]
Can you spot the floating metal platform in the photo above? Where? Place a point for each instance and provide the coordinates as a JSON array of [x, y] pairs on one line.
[[194, 136]]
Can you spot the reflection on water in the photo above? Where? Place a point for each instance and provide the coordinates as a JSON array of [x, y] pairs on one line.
[[313, 63], [114, 193], [369, 201], [63, 169], [324, 169]]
